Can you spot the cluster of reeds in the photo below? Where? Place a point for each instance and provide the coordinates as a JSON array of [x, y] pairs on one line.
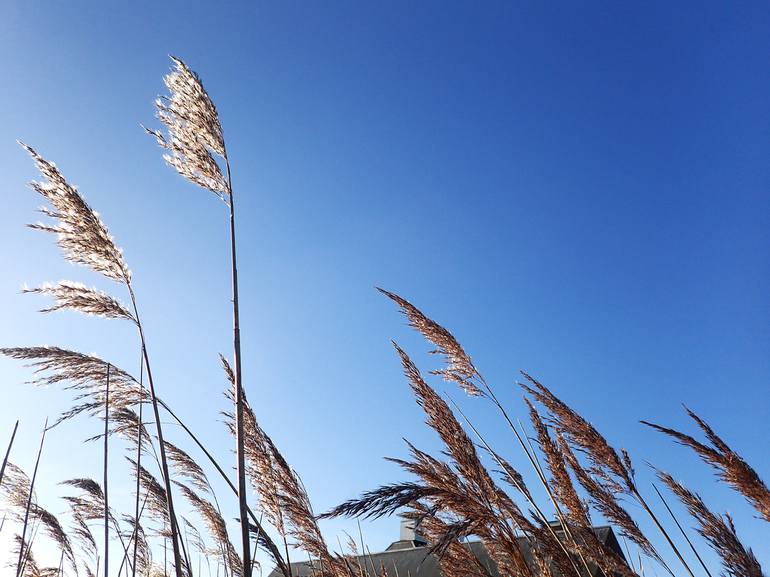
[[454, 497], [585, 478]]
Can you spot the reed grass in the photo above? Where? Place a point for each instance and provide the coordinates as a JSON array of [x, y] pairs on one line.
[[194, 137], [454, 495]]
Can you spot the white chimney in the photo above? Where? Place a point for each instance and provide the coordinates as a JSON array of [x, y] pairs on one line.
[[410, 531]]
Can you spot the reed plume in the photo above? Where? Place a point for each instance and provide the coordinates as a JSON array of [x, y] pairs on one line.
[[69, 295], [561, 482], [80, 233], [576, 522], [441, 419], [262, 471], [15, 488], [730, 466], [81, 532], [156, 496], [194, 133], [460, 368], [606, 503], [90, 505], [217, 528], [738, 561], [384, 500], [142, 556], [125, 423], [85, 376], [28, 566], [605, 460], [186, 467], [55, 532]]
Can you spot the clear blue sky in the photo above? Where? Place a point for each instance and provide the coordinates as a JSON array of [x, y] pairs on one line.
[[575, 189]]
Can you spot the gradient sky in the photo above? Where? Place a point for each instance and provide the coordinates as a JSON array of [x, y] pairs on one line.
[[574, 189]]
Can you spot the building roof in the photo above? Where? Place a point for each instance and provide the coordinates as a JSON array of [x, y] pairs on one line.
[[411, 558]]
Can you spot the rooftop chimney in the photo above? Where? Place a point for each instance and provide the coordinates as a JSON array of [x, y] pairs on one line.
[[409, 537], [410, 531]]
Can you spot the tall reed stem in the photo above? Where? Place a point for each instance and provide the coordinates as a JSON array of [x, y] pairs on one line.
[[163, 461], [106, 476], [239, 435], [663, 531], [8, 452], [23, 547]]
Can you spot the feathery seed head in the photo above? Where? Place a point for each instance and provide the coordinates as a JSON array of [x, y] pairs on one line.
[[77, 296], [460, 368], [81, 234], [193, 131]]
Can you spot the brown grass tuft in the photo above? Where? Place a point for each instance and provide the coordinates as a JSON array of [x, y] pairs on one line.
[[720, 532]]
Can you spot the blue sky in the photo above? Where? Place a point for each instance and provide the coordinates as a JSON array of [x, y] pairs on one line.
[[574, 189]]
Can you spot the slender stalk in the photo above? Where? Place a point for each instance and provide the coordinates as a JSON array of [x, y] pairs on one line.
[[628, 552], [124, 546], [186, 556], [364, 549], [106, 456], [7, 453], [138, 464], [686, 538], [239, 435], [23, 548], [134, 536], [256, 548], [663, 531], [29, 548], [61, 564], [163, 461]]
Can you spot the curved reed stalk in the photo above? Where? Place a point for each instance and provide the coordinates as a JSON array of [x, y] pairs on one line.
[[85, 240]]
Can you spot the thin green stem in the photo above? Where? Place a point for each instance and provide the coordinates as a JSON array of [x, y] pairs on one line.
[[239, 428]]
